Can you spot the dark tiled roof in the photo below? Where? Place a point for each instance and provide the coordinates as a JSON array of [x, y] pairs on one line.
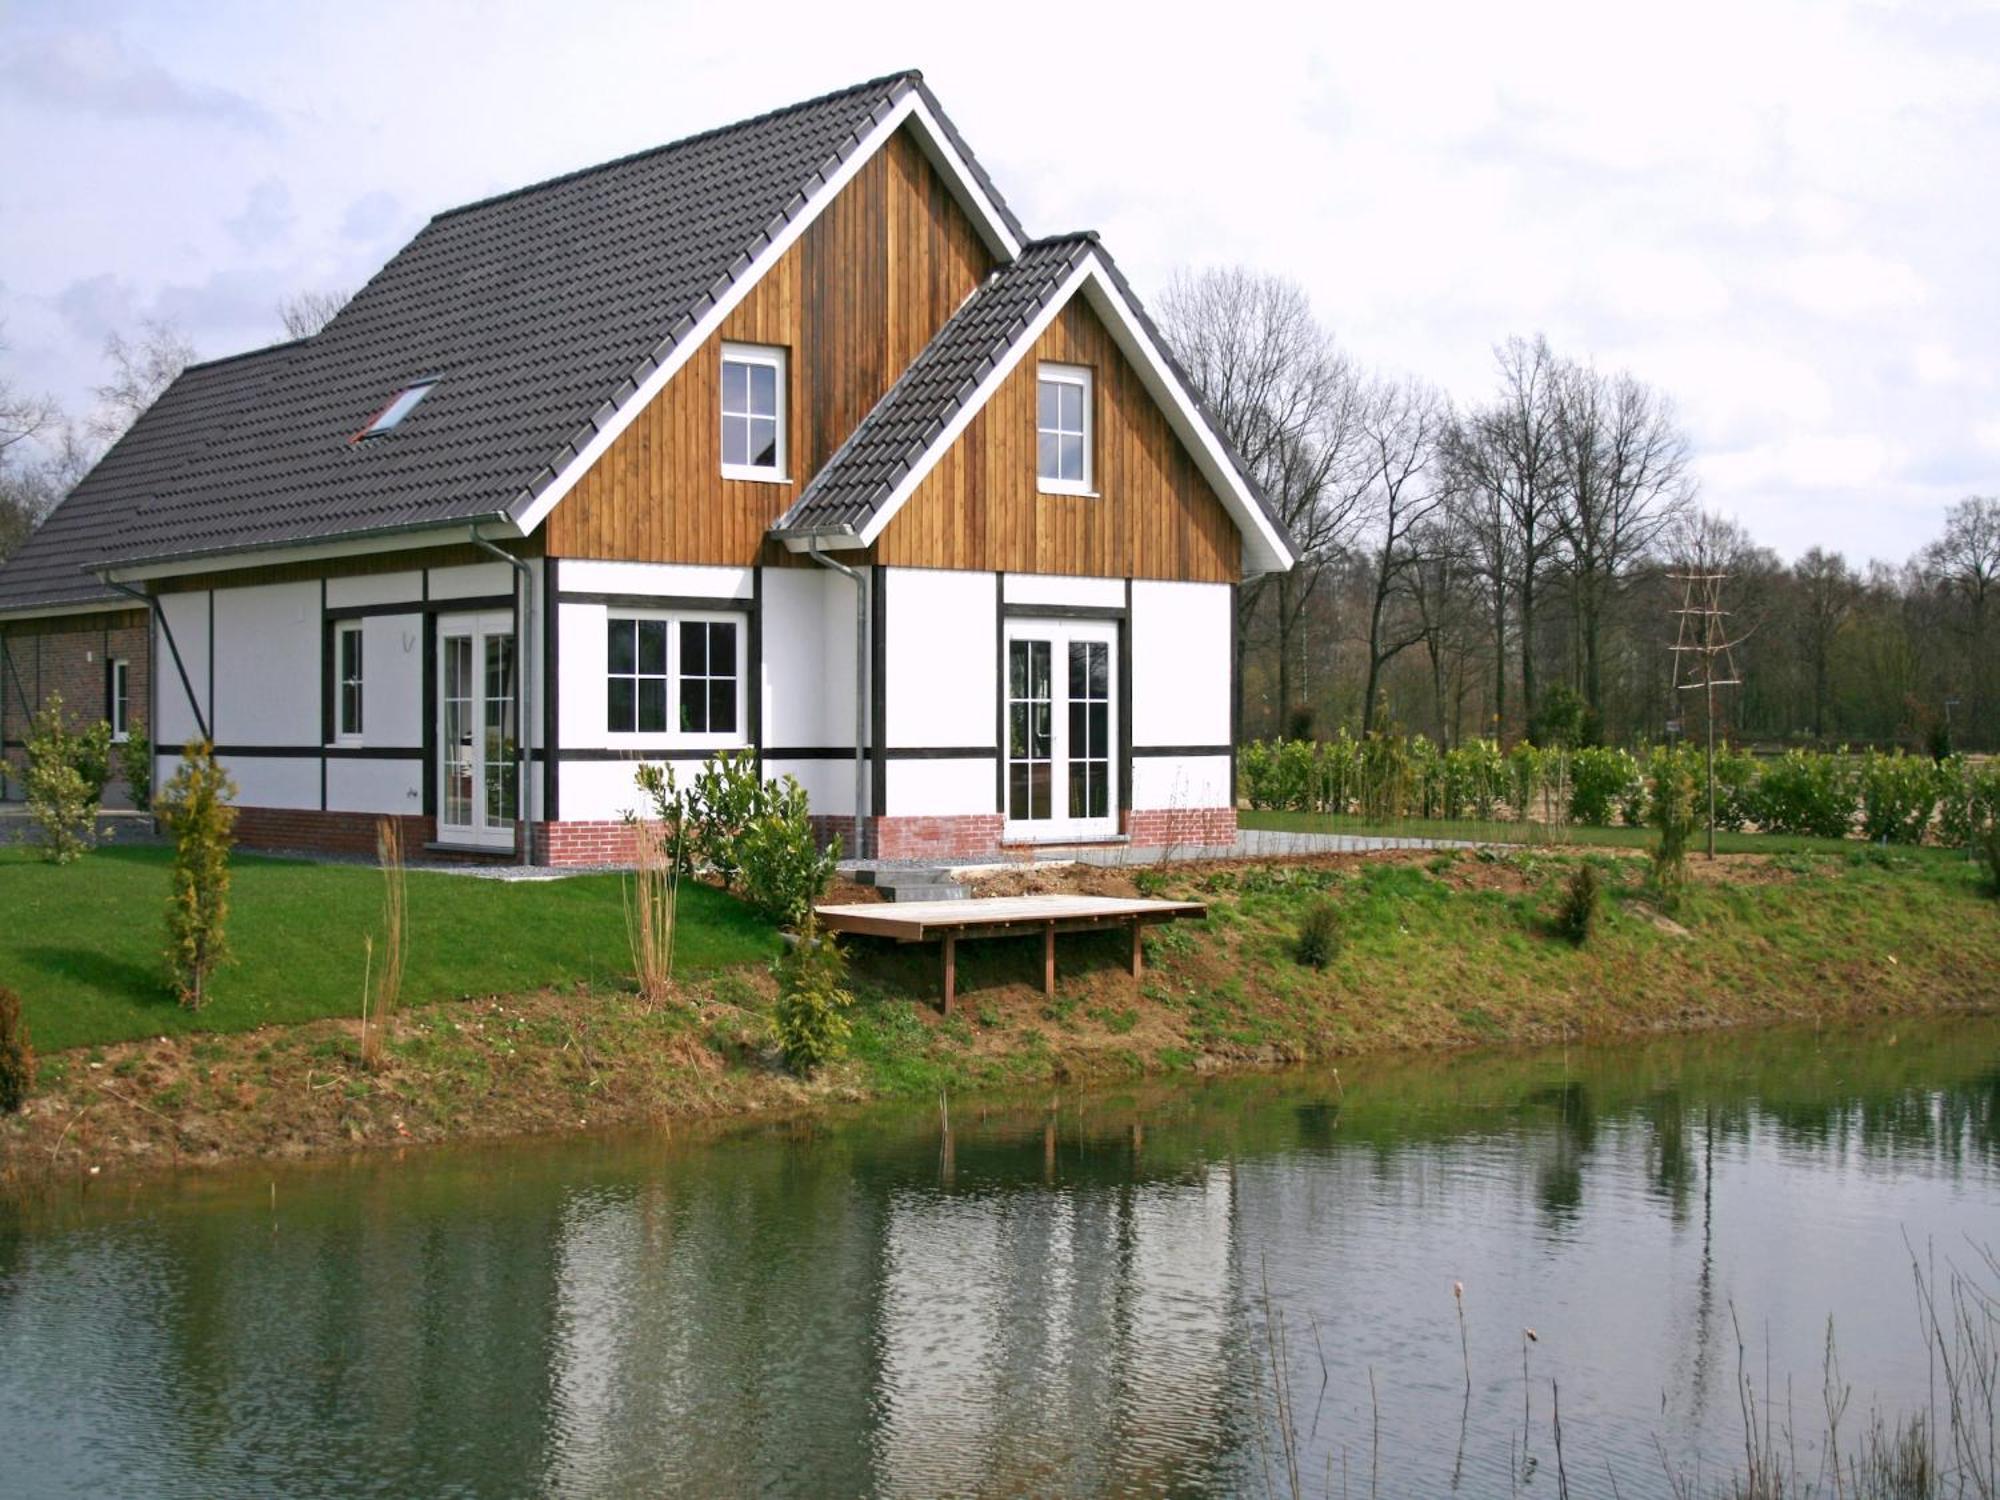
[[537, 312], [48, 572], [863, 472]]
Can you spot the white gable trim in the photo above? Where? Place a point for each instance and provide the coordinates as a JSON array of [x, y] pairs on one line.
[[530, 511], [1265, 548]]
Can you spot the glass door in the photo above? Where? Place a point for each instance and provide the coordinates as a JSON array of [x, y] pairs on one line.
[[478, 795], [1061, 729]]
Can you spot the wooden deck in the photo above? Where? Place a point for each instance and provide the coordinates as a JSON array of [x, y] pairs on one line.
[[1006, 916]]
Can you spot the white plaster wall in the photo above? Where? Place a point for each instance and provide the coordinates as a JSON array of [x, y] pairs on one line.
[[1180, 663], [375, 786], [1164, 781], [838, 666], [940, 660], [604, 790], [580, 665], [392, 680], [939, 788], [581, 576], [375, 588], [1053, 588], [272, 781], [797, 713], [475, 580], [268, 666], [187, 616], [829, 784]]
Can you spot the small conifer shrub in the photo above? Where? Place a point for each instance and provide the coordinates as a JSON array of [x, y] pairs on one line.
[[197, 808], [1319, 934], [17, 1054]]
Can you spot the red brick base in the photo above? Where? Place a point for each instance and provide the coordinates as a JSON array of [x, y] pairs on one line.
[[580, 843], [310, 830], [1185, 827]]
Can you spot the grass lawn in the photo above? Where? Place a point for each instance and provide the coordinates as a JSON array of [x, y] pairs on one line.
[[1474, 830], [82, 943]]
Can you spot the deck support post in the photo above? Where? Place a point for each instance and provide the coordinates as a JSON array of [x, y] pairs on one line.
[[1049, 960], [1138, 951], [950, 945]]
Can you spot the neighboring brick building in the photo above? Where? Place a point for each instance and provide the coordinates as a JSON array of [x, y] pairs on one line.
[[96, 662]]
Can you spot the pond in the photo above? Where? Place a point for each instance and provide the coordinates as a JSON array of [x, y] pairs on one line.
[[1136, 1292]]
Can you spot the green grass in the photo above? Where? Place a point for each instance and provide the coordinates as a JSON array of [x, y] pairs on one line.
[[1472, 830], [82, 943]]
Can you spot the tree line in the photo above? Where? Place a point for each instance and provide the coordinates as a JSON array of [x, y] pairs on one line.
[[1512, 568]]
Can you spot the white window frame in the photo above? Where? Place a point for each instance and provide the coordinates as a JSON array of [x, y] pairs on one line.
[[1081, 377], [121, 693], [674, 738], [771, 357], [343, 732]]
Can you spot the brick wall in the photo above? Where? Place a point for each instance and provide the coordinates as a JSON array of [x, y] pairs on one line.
[[67, 655], [584, 843], [308, 829], [1186, 827]]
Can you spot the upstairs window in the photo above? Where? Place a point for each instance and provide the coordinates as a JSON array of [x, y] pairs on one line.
[[347, 683], [390, 416], [1062, 430], [753, 412]]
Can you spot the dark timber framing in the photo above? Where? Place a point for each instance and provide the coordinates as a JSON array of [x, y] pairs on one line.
[[878, 689], [753, 690], [551, 689], [1125, 711]]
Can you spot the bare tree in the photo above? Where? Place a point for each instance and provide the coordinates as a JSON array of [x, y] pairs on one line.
[[1402, 423], [1446, 590], [1826, 593], [306, 313], [1482, 525], [27, 480], [1513, 459], [141, 368], [1622, 479], [1965, 564], [1288, 400]]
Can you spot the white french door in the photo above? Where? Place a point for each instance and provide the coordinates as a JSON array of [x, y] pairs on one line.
[[478, 677], [1062, 728]]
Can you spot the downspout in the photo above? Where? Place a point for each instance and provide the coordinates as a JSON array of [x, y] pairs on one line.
[[152, 603], [860, 680], [524, 700]]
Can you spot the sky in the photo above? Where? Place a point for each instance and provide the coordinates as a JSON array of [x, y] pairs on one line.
[[1783, 215]]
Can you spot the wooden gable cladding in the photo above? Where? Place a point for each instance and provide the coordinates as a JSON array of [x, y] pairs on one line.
[[852, 302], [1153, 516]]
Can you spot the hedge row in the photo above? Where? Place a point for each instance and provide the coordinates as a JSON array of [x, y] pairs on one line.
[[1900, 798]]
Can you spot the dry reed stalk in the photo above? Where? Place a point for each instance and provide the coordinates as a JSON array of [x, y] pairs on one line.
[[395, 935], [651, 896], [371, 1041]]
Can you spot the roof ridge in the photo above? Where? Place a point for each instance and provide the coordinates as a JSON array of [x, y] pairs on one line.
[[228, 359], [908, 76]]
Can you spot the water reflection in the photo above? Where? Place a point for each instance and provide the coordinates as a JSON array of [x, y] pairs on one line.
[[1067, 1298]]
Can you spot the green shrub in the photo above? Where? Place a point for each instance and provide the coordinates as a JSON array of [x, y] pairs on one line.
[[1564, 720], [1735, 787], [1578, 913], [1385, 777], [196, 806], [1524, 778], [1806, 794], [1477, 775], [810, 1018], [1295, 776], [1898, 795], [784, 870], [1600, 778], [65, 781], [17, 1054], [1255, 765], [1319, 934], [1989, 856], [135, 760], [1670, 803], [1968, 801]]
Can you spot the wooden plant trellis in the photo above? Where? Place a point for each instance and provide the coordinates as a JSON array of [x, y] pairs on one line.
[[1704, 658]]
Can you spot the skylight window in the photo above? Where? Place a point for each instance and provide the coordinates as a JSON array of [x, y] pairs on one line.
[[389, 416]]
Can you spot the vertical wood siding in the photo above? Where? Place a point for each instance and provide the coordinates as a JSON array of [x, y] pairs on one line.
[[1154, 515], [851, 302]]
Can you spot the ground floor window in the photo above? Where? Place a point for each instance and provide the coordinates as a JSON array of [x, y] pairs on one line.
[[673, 675], [347, 682], [121, 698], [1061, 726]]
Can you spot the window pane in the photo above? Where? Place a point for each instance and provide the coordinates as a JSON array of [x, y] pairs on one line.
[[1047, 457], [1017, 669], [694, 650], [1071, 462], [619, 654], [1017, 791], [1047, 404], [1079, 670], [763, 390], [1100, 671], [722, 705], [1017, 730], [1040, 782], [653, 647], [1040, 742], [618, 699], [1071, 410], [722, 650], [763, 443], [735, 440], [1079, 742], [735, 386], [1100, 790], [1100, 729], [694, 706], [652, 705], [1038, 653]]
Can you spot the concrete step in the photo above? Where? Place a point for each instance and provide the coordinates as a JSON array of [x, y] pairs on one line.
[[924, 892], [911, 883]]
